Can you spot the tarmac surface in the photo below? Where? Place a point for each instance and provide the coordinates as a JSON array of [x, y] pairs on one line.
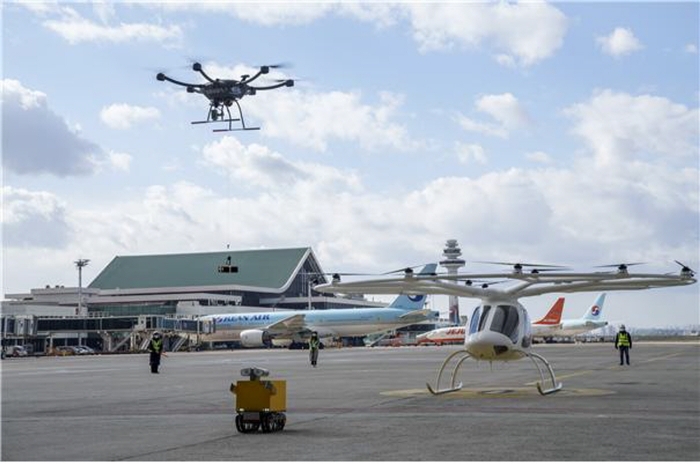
[[359, 404]]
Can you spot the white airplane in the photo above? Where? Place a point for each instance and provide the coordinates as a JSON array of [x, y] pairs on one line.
[[285, 328], [456, 334], [500, 329], [591, 320]]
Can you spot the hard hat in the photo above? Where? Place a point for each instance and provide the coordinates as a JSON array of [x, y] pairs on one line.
[[156, 335], [622, 327]]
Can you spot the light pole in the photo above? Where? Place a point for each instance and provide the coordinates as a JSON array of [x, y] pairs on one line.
[[80, 263]]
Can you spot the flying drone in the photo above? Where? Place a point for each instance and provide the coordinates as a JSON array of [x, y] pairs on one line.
[[223, 93], [500, 328]]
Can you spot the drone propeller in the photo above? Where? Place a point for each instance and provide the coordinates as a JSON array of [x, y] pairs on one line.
[[483, 283], [536, 268], [278, 65], [621, 268], [685, 269]]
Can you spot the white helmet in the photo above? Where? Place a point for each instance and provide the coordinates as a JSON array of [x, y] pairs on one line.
[[622, 327]]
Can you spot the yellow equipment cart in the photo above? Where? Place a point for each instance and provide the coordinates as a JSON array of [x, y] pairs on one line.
[[260, 403]]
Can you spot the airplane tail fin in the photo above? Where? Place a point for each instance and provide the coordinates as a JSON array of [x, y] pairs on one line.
[[553, 317], [409, 302], [594, 312]]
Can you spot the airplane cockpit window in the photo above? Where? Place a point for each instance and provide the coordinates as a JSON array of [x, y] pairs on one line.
[[474, 322], [484, 317], [505, 320]]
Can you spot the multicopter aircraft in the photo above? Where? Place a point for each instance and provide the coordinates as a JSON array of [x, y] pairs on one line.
[[456, 334], [500, 329], [287, 328], [222, 93]]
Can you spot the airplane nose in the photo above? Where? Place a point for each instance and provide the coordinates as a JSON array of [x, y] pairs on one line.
[[488, 345]]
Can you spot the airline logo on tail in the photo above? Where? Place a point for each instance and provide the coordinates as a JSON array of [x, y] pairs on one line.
[[596, 308], [413, 302], [553, 317]]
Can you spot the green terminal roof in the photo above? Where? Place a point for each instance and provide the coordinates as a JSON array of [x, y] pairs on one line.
[[263, 268]]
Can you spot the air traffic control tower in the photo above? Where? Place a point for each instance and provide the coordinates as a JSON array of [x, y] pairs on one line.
[[452, 263]]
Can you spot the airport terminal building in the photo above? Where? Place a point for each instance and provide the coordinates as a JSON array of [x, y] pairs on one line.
[[192, 284], [145, 292]]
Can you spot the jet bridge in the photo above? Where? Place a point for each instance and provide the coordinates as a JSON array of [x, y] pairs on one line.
[[117, 333]]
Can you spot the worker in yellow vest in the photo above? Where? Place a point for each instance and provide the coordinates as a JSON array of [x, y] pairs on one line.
[[623, 343], [314, 344], [155, 347]]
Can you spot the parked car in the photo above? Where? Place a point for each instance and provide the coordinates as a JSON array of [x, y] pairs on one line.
[[17, 351], [82, 349]]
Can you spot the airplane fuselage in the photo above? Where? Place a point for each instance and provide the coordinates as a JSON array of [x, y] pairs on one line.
[[337, 322]]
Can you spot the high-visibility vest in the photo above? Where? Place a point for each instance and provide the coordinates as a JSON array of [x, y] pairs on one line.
[[623, 339], [157, 345], [313, 342]]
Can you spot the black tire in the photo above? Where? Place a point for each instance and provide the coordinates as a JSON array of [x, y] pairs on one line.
[[246, 427]]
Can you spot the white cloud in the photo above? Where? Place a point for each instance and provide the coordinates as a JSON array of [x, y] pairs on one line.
[[524, 33], [76, 29], [505, 109], [691, 48], [619, 128], [36, 140], [33, 219], [539, 157], [527, 32], [123, 116], [119, 161], [467, 153], [620, 42], [258, 166]]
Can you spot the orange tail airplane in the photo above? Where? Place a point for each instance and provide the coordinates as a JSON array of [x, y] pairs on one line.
[[455, 335]]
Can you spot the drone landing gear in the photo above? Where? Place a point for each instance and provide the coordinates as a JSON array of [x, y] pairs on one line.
[[463, 356], [555, 387], [216, 113]]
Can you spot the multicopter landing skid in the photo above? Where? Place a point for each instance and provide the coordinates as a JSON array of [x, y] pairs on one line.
[[214, 116], [464, 355]]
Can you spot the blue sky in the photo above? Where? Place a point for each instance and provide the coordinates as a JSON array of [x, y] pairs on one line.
[[564, 133]]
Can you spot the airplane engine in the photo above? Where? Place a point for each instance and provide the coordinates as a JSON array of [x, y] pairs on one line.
[[254, 338]]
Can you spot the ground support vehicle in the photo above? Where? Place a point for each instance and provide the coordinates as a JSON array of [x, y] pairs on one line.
[[260, 404]]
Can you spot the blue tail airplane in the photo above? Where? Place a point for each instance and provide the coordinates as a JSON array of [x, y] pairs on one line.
[[289, 327]]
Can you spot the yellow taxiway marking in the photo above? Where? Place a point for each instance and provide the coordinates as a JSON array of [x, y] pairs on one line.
[[496, 392]]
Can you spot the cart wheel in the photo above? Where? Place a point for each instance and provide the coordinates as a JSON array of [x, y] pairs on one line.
[[266, 422], [246, 427], [281, 421]]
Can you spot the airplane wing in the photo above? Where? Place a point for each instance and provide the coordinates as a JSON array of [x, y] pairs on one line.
[[296, 325], [417, 313], [288, 325], [526, 284]]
